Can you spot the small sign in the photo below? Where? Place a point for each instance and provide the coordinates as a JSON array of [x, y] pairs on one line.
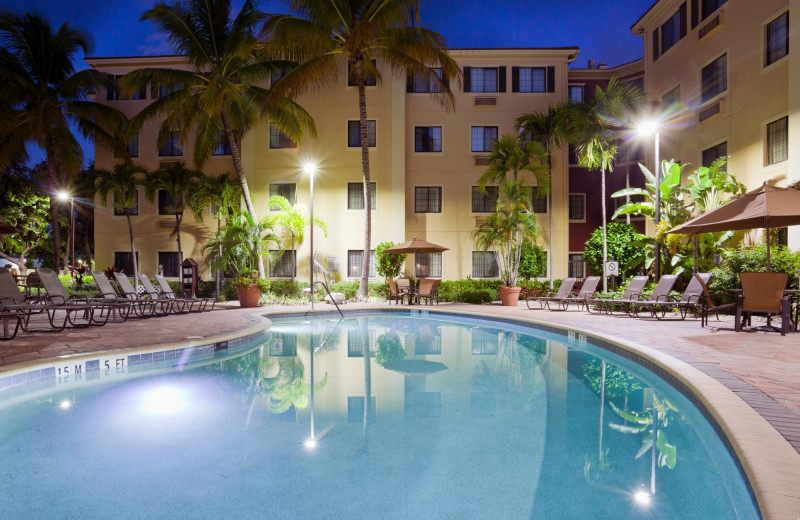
[[612, 268]]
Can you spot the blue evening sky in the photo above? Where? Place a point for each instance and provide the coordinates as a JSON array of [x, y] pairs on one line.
[[600, 28]]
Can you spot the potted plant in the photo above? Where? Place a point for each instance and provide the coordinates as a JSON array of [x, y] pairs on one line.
[[504, 232], [250, 287]]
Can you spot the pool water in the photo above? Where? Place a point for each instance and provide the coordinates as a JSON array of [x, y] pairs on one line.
[[449, 417]]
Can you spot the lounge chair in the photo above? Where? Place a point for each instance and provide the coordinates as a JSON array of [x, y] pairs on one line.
[[429, 290], [195, 304], [7, 318], [171, 305], [588, 289], [394, 293], [692, 299], [632, 293], [13, 301], [558, 297], [762, 293], [708, 301], [661, 294], [95, 311], [144, 307], [107, 293]]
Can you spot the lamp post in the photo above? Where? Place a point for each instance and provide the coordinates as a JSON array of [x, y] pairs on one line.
[[310, 168], [651, 128], [63, 196]]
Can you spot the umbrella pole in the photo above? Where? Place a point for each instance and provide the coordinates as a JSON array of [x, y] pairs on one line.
[[769, 261], [694, 244]]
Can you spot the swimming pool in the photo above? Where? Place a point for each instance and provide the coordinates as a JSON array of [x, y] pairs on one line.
[[450, 417]]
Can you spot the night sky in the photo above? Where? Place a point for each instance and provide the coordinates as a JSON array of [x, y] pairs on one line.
[[600, 28]]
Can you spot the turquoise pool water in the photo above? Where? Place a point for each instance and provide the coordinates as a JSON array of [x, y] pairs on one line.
[[449, 417]]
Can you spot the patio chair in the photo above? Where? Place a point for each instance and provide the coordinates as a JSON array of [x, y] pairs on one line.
[[632, 293], [661, 294], [95, 311], [195, 304], [762, 293], [107, 293], [558, 296], [708, 301], [13, 301], [394, 292], [178, 306], [586, 293], [144, 307], [7, 318], [428, 290], [692, 299]]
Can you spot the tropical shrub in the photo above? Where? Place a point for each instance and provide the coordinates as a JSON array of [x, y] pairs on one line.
[[469, 291], [623, 246], [533, 262], [753, 259], [388, 265], [285, 288], [389, 348]]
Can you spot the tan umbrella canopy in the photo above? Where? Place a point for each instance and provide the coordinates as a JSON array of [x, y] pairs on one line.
[[414, 246], [6, 228], [765, 207]]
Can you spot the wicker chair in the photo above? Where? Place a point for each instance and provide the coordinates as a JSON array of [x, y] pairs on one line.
[[762, 293]]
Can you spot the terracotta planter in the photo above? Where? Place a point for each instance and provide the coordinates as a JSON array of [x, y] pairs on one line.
[[509, 296], [248, 297]]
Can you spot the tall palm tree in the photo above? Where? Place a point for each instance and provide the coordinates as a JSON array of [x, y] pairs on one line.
[[293, 220], [224, 191], [594, 126], [328, 33], [123, 183], [220, 97], [510, 156], [177, 181], [543, 127], [44, 99]]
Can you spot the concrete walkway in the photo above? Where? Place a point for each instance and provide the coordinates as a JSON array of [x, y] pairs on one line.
[[760, 369]]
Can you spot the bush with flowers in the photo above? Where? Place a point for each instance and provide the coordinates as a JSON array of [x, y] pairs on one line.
[[250, 278]]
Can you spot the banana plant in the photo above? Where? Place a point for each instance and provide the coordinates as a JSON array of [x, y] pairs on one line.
[[650, 422]]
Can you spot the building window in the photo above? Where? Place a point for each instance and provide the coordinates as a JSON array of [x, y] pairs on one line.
[[673, 29], [484, 202], [124, 261], [709, 6], [278, 74], [354, 133], [165, 204], [715, 152], [355, 195], [113, 92], [278, 139], [539, 204], [131, 147], [287, 190], [576, 93], [369, 79], [428, 265], [165, 90], [354, 258], [671, 100], [428, 199], [531, 79], [714, 78], [484, 264], [283, 265], [120, 210], [169, 263], [482, 79], [483, 137], [221, 145], [172, 146], [576, 268], [425, 84], [572, 154], [777, 38], [777, 141], [427, 138], [577, 206]]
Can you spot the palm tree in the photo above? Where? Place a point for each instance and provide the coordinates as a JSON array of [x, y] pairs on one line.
[[509, 155], [123, 183], [223, 191], [220, 98], [44, 99], [177, 181], [593, 127], [328, 32], [543, 127], [293, 220]]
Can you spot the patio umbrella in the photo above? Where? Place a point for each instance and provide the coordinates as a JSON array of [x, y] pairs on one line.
[[765, 207], [414, 366], [6, 228], [414, 246]]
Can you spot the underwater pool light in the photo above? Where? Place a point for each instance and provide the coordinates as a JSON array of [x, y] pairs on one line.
[[163, 400], [65, 404], [642, 497]]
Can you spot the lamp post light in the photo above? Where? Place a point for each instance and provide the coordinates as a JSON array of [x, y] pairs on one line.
[[63, 196], [651, 128], [310, 168]]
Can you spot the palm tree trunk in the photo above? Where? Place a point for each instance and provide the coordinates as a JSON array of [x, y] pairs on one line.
[[133, 251], [237, 165], [217, 281], [550, 215], [53, 173], [178, 218], [87, 244], [603, 209], [363, 287], [294, 257]]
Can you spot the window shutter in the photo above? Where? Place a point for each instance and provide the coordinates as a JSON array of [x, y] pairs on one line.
[[655, 44], [467, 79], [695, 14], [514, 79], [682, 19], [551, 79], [410, 82], [501, 79]]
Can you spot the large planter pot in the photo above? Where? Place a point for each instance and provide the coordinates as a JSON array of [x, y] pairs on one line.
[[509, 296], [248, 297]]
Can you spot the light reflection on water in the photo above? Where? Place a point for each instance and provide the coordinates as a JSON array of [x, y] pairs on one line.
[[445, 419]]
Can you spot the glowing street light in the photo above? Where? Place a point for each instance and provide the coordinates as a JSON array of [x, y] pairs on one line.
[[310, 168], [646, 128], [65, 196]]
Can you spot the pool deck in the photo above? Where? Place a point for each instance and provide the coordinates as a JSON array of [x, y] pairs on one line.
[[750, 381]]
